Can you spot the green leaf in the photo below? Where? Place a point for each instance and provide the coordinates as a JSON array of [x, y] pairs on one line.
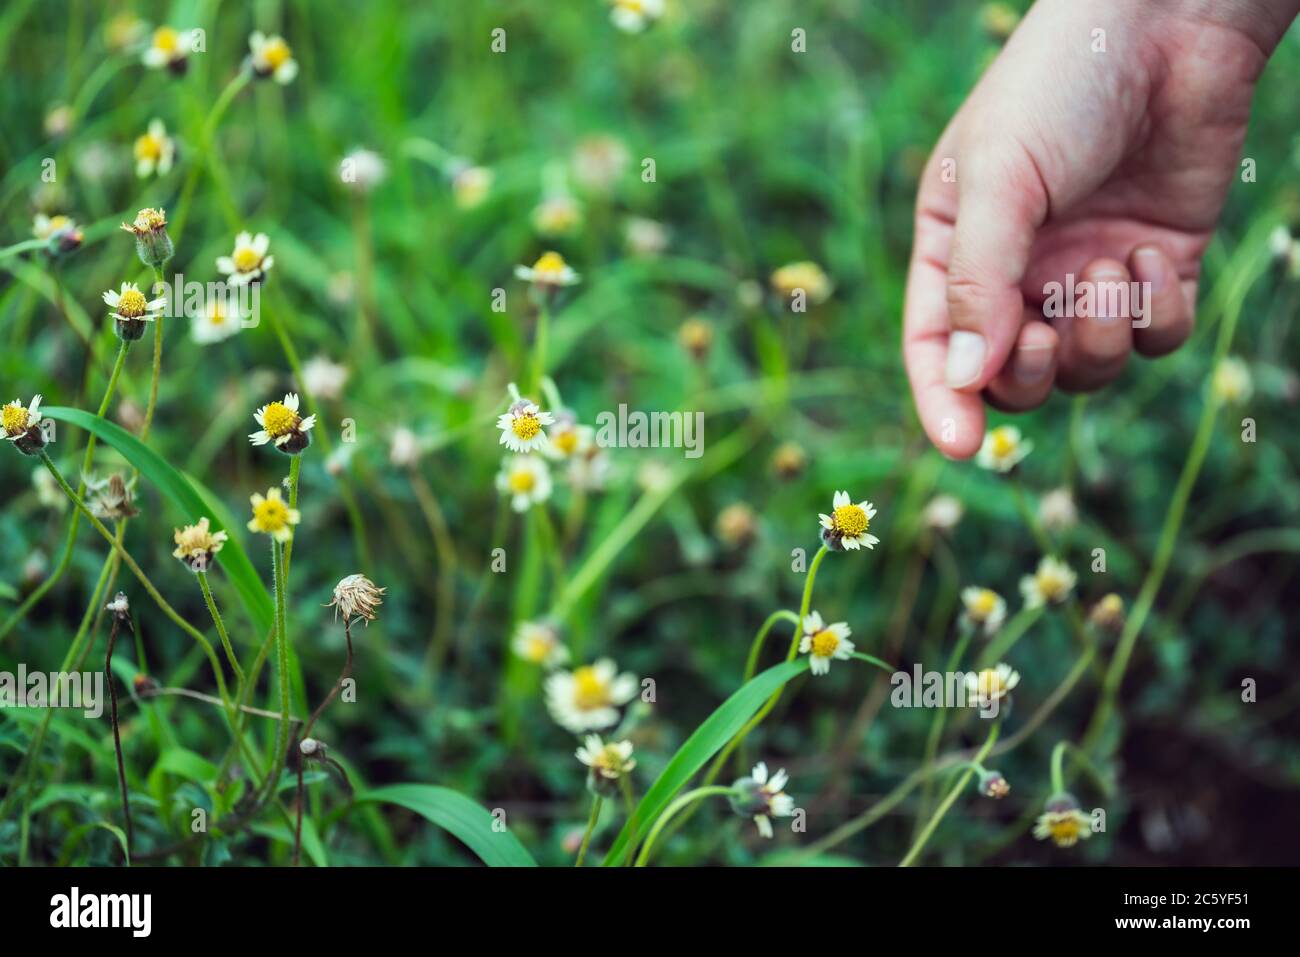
[[187, 765], [464, 817], [189, 503], [707, 740]]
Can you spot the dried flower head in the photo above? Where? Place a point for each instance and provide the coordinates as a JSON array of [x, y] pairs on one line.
[[992, 784], [196, 545], [356, 596], [111, 498], [152, 244]]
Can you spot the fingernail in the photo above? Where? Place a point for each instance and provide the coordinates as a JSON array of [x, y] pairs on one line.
[[1149, 266], [1031, 365], [965, 358]]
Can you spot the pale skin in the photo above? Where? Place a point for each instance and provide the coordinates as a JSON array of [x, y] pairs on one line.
[[1112, 166]]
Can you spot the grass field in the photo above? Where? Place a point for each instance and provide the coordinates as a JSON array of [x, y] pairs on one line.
[[412, 160]]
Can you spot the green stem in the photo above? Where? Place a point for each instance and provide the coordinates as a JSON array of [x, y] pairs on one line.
[[591, 827], [1030, 518], [282, 665], [221, 631], [756, 646], [948, 801], [672, 809], [156, 375]]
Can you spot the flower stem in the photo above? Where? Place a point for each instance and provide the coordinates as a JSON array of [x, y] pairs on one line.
[[681, 802], [156, 375], [282, 665], [948, 801], [591, 827], [221, 632], [117, 733]]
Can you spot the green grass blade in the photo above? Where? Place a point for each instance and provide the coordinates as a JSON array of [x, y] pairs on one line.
[[709, 738], [463, 817], [190, 505]]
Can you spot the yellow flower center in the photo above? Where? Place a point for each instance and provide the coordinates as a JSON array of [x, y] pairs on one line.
[[566, 442], [1004, 442], [148, 147], [522, 481], [824, 643], [990, 683], [537, 648], [549, 264], [850, 520], [276, 53], [247, 259], [1065, 828], [166, 39], [1050, 584], [132, 304], [59, 222], [14, 419], [278, 419], [271, 515], [525, 426], [983, 604], [589, 690], [217, 315]]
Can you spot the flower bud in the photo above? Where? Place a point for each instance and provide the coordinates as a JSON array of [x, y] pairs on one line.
[[994, 785], [152, 244]]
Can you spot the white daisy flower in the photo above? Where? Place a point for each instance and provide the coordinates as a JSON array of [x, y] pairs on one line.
[[18, 421], [362, 170], [280, 423], [762, 798], [129, 304], [522, 427], [539, 643], [943, 513], [984, 608], [154, 151], [823, 642], [607, 759], [1063, 822], [550, 270], [249, 261], [220, 319], [1051, 584], [324, 379], [168, 47], [588, 698], [645, 237], [991, 684], [632, 16], [526, 479], [846, 526], [271, 56], [1003, 449], [568, 439], [404, 448], [1057, 511]]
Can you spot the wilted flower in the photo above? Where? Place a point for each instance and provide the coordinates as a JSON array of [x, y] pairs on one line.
[[1232, 381], [824, 643], [526, 479], [984, 608], [152, 244], [538, 642], [362, 170], [522, 426], [249, 262], [805, 277], [271, 57], [197, 544], [168, 47], [324, 379], [282, 425], [154, 151], [632, 16], [111, 498], [131, 310], [356, 596], [273, 516], [1050, 584], [1063, 822], [1057, 511], [557, 215], [1003, 449], [990, 685], [696, 337], [846, 526], [549, 271], [942, 513], [992, 784], [588, 699], [22, 426], [762, 798]]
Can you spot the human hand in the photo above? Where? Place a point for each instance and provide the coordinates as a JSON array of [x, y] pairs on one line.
[[1106, 156]]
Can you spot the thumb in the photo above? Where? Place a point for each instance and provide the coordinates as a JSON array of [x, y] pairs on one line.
[[1002, 202]]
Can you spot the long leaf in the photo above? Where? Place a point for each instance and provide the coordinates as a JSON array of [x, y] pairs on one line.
[[189, 504], [707, 740], [463, 817]]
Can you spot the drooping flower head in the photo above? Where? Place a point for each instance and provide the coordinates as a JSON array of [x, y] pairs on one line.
[[824, 643], [588, 698], [282, 425], [846, 526], [273, 516], [1063, 822], [197, 544], [762, 798], [111, 498]]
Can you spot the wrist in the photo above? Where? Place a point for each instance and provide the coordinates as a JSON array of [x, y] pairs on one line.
[[1264, 21]]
